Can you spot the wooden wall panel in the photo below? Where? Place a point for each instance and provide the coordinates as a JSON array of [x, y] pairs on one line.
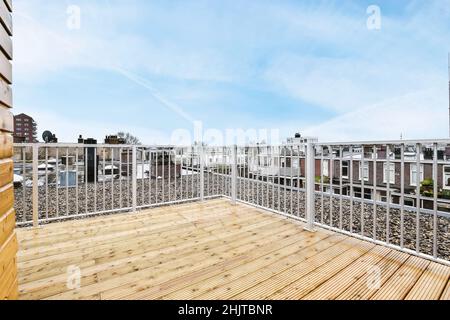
[[6, 43], [6, 172], [6, 199], [5, 68], [6, 145], [5, 17], [8, 239], [7, 225], [6, 120], [5, 94]]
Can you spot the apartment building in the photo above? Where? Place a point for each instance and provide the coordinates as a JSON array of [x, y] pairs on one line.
[[25, 129]]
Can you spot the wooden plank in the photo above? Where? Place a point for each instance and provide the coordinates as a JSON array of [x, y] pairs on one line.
[[160, 262], [398, 286], [305, 284], [217, 253], [7, 279], [6, 97], [154, 231], [6, 172], [6, 43], [6, 145], [195, 283], [6, 199], [42, 237], [6, 120], [5, 68], [332, 288], [236, 280], [446, 294], [431, 284], [8, 252], [13, 291], [101, 222], [362, 288], [9, 5], [179, 265], [7, 224], [140, 246], [5, 18]]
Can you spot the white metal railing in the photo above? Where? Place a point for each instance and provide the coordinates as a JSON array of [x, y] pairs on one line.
[[62, 181], [370, 190]]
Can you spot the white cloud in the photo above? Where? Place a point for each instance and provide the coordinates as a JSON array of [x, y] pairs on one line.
[[419, 115], [346, 84]]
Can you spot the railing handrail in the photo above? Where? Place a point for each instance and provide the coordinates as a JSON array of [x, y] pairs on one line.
[[384, 142]]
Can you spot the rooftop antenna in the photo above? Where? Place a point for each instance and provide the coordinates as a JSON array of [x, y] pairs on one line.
[[449, 92]]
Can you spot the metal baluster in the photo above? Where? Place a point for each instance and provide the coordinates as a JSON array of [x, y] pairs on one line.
[[435, 198], [375, 178], [341, 188], [46, 183], [67, 182], [95, 179], [388, 195], [112, 179], [351, 188], [331, 174], [85, 180], [76, 181], [120, 178], [402, 188], [362, 188], [57, 182], [322, 186], [142, 176], [418, 197]]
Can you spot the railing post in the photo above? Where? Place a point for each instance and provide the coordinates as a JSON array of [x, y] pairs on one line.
[[234, 174], [35, 191], [310, 187], [202, 172], [134, 178]]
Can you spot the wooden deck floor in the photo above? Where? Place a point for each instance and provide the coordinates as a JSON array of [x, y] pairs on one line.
[[214, 250]]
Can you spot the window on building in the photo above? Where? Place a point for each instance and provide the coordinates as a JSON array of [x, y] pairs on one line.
[[367, 193], [391, 173], [295, 164], [413, 174], [410, 202], [345, 169], [364, 171], [446, 177], [325, 166]]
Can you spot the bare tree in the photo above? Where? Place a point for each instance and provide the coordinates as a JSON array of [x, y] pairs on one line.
[[128, 137]]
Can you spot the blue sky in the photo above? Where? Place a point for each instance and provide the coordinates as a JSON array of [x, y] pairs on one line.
[[297, 66]]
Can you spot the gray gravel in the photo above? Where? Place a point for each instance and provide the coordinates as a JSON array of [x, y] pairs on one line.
[[291, 202]]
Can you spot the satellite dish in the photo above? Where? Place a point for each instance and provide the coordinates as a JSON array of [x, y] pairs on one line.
[[47, 136]]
